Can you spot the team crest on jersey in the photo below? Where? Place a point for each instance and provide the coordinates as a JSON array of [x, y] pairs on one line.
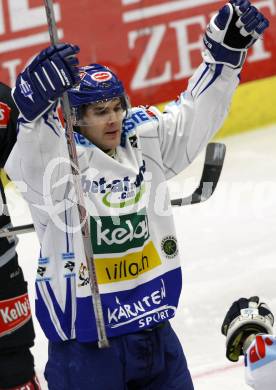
[[5, 111], [101, 76], [83, 275], [169, 246]]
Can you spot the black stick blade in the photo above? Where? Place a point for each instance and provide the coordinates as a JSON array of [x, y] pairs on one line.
[[213, 163]]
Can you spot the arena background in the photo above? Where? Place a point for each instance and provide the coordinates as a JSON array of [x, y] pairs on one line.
[[154, 46]]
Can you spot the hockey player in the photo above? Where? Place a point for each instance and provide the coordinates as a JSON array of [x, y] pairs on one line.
[[16, 326], [248, 327], [125, 157]]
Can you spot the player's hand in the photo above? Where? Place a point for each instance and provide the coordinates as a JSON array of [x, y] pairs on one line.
[[49, 75], [234, 29], [245, 317]]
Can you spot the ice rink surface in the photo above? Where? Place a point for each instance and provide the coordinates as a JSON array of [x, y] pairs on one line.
[[228, 250]]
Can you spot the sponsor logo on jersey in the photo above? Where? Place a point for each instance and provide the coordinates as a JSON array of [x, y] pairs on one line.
[[136, 119], [14, 313], [148, 311], [169, 246], [130, 240], [128, 266], [132, 232], [118, 193], [5, 111], [129, 198]]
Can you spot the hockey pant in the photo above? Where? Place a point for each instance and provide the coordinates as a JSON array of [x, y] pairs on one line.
[[148, 360]]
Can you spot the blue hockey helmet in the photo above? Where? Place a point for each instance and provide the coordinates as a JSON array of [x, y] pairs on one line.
[[98, 83]]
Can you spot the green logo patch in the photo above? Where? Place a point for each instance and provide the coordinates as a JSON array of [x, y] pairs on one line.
[[107, 237], [169, 246]]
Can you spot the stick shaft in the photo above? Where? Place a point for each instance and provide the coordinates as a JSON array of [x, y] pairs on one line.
[[12, 231], [96, 299]]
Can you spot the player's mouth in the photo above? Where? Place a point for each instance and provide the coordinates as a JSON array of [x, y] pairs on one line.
[[112, 133]]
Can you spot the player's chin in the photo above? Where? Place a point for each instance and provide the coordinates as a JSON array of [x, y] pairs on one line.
[[113, 139]]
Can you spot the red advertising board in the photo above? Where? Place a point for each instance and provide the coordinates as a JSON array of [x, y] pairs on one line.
[[154, 45]]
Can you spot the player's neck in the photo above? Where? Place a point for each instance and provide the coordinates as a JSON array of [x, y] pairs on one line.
[[111, 152]]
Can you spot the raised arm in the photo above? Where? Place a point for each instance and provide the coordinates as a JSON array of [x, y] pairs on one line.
[[40, 137], [189, 123]]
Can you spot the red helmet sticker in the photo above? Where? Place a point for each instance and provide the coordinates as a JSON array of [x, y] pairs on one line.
[[82, 74], [101, 76], [5, 111]]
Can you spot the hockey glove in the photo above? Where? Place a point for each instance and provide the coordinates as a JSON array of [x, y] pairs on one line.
[[50, 74], [246, 317], [234, 29]]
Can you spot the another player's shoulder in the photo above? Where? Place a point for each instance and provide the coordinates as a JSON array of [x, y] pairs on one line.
[[5, 91], [5, 95], [261, 351], [7, 106], [260, 362]]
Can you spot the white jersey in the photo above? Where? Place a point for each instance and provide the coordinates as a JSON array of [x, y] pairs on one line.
[[131, 224], [260, 363]]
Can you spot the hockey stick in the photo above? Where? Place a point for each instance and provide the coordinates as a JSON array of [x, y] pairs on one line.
[[213, 163], [12, 231], [96, 298]]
